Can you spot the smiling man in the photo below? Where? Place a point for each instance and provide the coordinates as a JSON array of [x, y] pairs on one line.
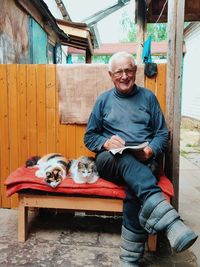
[[129, 113]]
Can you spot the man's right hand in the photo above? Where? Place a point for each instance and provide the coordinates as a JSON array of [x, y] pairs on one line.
[[114, 142]]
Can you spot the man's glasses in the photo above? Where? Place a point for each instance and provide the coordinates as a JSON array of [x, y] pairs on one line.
[[119, 73]]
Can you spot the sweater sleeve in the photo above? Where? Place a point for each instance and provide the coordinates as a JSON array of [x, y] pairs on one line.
[[93, 138]]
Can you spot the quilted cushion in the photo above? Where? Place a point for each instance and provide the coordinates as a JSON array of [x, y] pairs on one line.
[[24, 178]]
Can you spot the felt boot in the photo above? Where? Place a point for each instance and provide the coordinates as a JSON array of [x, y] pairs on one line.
[[157, 214], [132, 247]]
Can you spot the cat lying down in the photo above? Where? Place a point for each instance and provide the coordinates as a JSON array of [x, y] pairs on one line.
[[54, 167]]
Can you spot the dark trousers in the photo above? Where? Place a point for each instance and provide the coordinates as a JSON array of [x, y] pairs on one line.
[[139, 182]]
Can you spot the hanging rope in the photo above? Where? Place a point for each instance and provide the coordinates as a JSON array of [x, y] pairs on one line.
[[160, 14]]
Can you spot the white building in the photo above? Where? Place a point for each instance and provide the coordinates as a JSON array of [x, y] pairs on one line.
[[191, 72]]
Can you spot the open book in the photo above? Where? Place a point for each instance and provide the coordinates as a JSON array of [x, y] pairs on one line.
[[130, 147]]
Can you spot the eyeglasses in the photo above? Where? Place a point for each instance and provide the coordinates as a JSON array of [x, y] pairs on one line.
[[119, 73]]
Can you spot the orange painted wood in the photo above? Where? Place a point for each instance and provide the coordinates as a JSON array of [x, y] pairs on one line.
[[13, 121], [150, 83], [31, 110], [4, 136], [51, 107], [161, 87], [41, 109], [29, 118], [71, 141], [22, 113], [80, 147]]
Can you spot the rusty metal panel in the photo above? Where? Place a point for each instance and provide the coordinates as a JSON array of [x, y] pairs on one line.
[[13, 34]]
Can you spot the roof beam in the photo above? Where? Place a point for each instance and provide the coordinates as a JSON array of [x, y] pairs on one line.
[[79, 34], [63, 10]]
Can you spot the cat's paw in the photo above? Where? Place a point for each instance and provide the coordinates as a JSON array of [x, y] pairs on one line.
[[79, 181], [92, 181], [54, 184]]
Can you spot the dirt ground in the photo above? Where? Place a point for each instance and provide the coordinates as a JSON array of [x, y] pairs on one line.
[[190, 141]]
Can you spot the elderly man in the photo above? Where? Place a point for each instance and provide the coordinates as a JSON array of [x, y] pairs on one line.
[[129, 113]]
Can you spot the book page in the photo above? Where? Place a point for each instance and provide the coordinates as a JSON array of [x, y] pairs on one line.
[[135, 148]]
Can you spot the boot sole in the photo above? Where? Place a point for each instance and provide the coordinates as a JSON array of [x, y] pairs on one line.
[[185, 242]]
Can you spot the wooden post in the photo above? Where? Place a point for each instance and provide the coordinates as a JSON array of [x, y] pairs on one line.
[[174, 77], [88, 56], [140, 15], [22, 221]]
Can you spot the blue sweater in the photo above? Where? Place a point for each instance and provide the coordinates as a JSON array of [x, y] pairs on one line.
[[135, 117]]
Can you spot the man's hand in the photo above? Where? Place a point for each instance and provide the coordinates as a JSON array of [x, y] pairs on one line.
[[114, 142], [144, 155]]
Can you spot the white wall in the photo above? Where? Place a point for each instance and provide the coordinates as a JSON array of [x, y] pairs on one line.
[[191, 75]]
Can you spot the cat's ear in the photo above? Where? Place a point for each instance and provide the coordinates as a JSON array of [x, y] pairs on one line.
[[93, 166], [69, 164], [92, 159], [80, 164]]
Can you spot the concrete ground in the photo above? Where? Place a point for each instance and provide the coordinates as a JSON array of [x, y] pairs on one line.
[[60, 239]]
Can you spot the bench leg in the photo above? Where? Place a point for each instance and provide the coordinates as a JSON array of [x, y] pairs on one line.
[[22, 223], [152, 242]]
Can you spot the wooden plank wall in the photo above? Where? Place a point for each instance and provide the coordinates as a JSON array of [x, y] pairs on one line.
[[29, 119]]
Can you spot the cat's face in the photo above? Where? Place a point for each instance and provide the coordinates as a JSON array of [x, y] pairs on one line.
[[86, 169], [54, 177]]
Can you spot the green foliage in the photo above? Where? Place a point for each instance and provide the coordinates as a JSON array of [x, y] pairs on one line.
[[158, 32], [129, 28], [95, 59], [80, 59], [183, 153], [101, 59]]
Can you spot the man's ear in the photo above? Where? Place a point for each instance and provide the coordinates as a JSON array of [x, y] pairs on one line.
[[110, 73]]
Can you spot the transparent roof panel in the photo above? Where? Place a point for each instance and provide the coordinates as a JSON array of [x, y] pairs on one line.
[[109, 27], [53, 8], [79, 9]]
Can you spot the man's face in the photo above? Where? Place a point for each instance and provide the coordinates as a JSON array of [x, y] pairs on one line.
[[123, 75]]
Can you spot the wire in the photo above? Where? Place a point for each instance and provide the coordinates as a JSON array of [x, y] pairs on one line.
[[148, 2], [160, 13]]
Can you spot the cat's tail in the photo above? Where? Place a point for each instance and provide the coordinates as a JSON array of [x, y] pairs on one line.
[[32, 161]]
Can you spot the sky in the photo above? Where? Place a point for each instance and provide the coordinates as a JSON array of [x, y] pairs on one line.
[[109, 28]]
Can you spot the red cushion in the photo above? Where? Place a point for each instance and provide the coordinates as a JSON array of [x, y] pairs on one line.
[[24, 178]]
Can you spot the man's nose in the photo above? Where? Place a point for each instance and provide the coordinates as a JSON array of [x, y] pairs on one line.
[[124, 74]]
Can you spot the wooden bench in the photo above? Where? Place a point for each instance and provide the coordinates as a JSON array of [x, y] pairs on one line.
[[75, 203], [37, 130]]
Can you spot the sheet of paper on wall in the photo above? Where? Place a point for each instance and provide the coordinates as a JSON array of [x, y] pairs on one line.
[[133, 148]]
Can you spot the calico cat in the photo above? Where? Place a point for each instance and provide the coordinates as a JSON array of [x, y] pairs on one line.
[[52, 167], [83, 170]]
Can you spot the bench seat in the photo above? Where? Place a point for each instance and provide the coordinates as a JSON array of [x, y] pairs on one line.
[[101, 196]]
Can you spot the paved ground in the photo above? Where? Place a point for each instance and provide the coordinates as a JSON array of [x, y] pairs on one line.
[[90, 241]]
